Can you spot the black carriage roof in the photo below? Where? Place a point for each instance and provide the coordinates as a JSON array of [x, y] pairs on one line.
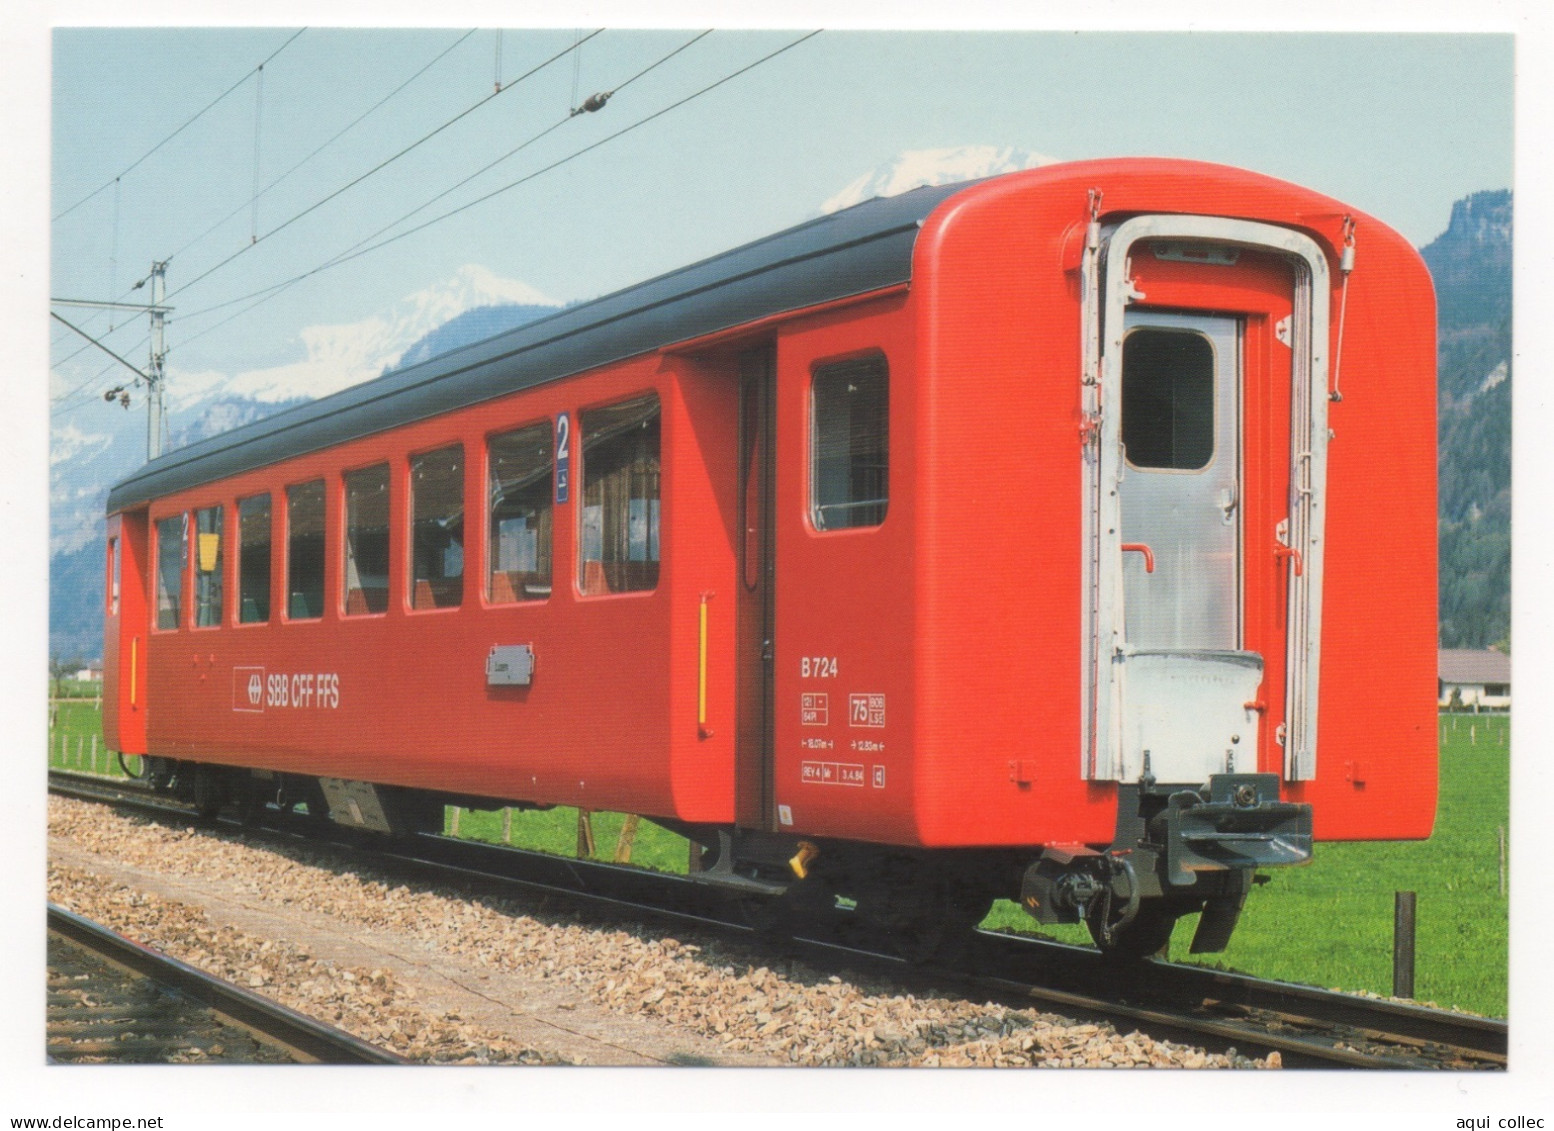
[[852, 252]]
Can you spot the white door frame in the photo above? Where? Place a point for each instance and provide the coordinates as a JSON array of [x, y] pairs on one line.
[[1108, 291]]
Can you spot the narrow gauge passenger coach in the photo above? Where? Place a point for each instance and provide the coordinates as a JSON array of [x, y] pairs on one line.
[[1066, 536]]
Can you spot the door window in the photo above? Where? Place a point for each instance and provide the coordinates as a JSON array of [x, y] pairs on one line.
[[850, 444], [1168, 399]]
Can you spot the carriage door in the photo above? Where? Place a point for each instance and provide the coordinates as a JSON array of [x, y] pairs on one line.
[[1171, 693], [1185, 678], [753, 773]]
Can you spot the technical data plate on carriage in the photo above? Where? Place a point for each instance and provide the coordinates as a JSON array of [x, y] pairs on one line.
[[831, 773], [866, 710], [814, 709]]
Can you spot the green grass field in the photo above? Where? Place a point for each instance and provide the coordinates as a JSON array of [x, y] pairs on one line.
[[1328, 923], [76, 732]]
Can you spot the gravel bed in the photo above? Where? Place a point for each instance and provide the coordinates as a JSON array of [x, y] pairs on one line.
[[738, 997]]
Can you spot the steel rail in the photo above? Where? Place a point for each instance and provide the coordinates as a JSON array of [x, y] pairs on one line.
[[1306, 1025], [1242, 1004], [305, 1038]]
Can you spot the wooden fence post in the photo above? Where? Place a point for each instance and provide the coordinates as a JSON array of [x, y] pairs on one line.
[[627, 837], [585, 833], [507, 825], [1403, 944]]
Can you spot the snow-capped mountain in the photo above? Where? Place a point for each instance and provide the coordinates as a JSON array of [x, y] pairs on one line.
[[918, 167], [338, 356], [95, 444]]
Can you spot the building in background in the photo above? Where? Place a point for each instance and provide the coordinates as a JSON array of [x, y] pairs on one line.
[[1474, 679]]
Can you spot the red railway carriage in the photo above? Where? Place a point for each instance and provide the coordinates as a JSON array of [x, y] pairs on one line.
[[1067, 536]]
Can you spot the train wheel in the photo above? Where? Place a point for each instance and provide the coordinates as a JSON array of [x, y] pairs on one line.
[[805, 904], [923, 916], [252, 798], [210, 791], [1146, 935]]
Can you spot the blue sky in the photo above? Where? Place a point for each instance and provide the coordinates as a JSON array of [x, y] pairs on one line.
[[1399, 125]]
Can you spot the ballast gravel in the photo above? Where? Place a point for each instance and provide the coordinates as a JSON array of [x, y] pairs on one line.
[[738, 1003]]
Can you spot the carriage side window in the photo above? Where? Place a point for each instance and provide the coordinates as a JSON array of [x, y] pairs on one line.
[[305, 551], [521, 477], [850, 444], [1168, 399], [620, 526], [207, 567], [366, 540], [253, 560], [170, 556], [437, 529]]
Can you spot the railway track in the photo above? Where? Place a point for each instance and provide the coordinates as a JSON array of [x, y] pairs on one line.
[[1307, 1027], [110, 999]]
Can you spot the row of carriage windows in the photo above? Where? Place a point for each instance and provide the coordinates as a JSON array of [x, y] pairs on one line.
[[618, 518], [619, 528]]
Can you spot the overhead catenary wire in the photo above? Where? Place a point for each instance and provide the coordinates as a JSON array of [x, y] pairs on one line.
[[116, 183], [209, 106], [113, 250], [264, 294], [67, 403], [383, 164], [577, 69], [253, 229], [508, 155], [98, 344], [336, 137], [278, 180]]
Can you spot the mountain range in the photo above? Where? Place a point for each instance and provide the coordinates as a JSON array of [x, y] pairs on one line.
[[98, 444], [1471, 265]]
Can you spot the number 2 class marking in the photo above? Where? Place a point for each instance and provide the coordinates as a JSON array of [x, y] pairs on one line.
[[563, 456]]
